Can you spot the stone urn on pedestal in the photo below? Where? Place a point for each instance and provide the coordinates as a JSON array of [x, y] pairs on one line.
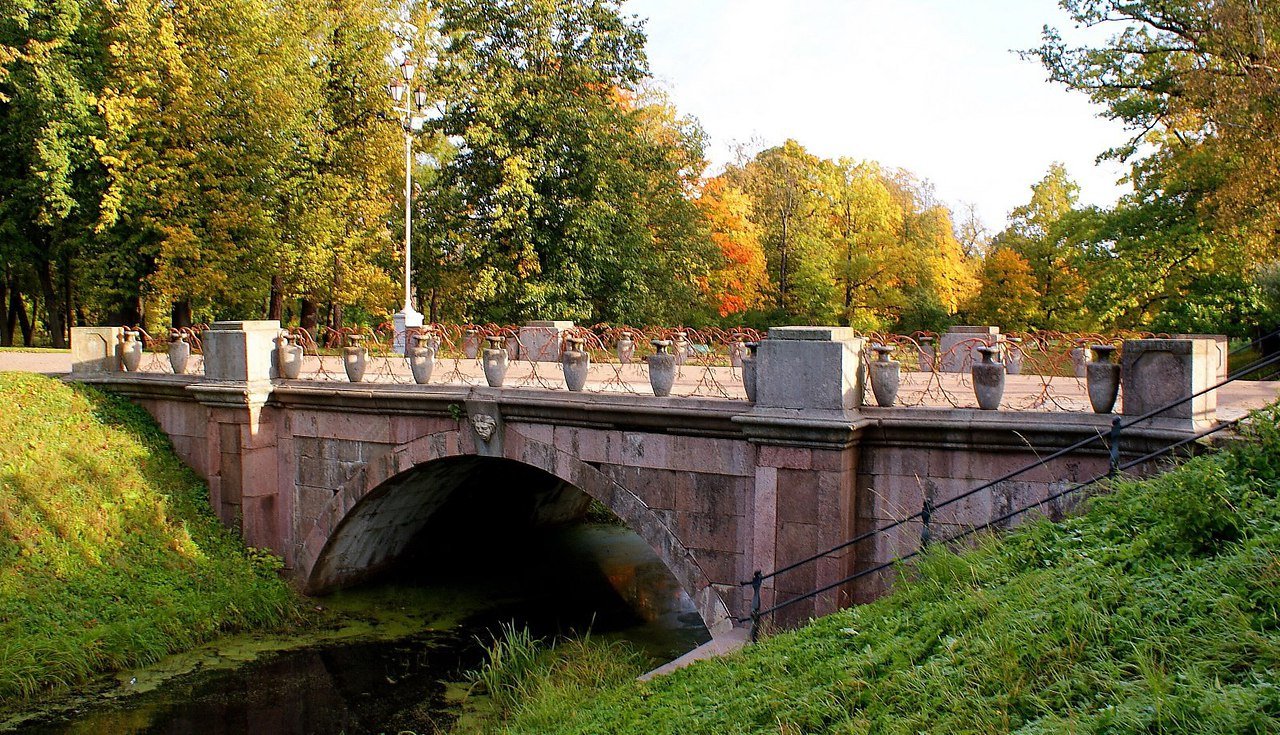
[[988, 379], [130, 350], [1103, 378], [749, 372], [886, 376], [422, 356], [928, 353], [1013, 356], [179, 352], [495, 360], [662, 368], [355, 357], [471, 344], [575, 361], [626, 348], [289, 356]]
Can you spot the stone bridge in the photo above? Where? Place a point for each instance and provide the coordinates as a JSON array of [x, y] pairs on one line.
[[338, 479]]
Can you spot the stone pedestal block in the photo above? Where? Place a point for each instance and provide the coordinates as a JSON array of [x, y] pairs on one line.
[[241, 351], [1221, 351], [93, 349], [540, 341], [1157, 372], [810, 368], [956, 359]]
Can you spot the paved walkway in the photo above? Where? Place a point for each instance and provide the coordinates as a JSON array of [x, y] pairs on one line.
[[932, 390]]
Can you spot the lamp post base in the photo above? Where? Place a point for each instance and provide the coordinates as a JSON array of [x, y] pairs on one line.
[[402, 321]]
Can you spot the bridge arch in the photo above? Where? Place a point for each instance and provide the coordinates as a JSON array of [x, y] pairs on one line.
[[374, 516]]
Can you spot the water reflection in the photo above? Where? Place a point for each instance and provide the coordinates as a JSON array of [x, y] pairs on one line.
[[555, 581]]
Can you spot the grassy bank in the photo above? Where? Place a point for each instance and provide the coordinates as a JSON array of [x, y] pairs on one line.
[[1157, 610], [109, 555]]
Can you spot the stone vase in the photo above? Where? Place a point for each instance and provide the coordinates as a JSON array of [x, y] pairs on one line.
[[130, 351], [1103, 379], [179, 353], [737, 348], [886, 376], [495, 360], [422, 357], [662, 368], [355, 358], [626, 348], [749, 372], [575, 361], [1013, 355], [928, 353], [289, 356], [471, 344], [988, 379], [680, 347]]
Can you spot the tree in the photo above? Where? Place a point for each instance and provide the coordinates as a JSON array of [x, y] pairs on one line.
[[1037, 231], [739, 284], [1007, 294], [1197, 85], [50, 176], [573, 187]]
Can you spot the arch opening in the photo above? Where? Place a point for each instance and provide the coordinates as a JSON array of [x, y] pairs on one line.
[[558, 550]]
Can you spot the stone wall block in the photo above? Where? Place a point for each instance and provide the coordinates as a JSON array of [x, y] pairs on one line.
[[794, 458], [797, 497]]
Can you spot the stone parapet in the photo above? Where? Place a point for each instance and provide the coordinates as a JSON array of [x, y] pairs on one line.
[[810, 368], [1159, 372], [241, 351], [95, 350], [960, 360], [540, 340]]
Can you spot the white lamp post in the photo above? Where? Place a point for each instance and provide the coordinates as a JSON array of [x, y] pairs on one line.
[[411, 119]]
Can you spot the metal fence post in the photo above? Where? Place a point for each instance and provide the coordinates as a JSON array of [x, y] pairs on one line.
[[1115, 447], [926, 514], [757, 580]]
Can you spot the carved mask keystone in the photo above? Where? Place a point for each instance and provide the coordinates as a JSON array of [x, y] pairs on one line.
[[484, 425]]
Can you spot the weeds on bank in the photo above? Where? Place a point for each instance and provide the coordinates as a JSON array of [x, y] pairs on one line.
[[536, 678], [109, 554]]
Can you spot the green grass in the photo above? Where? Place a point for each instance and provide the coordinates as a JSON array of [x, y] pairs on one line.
[[1155, 611], [40, 350], [109, 554]]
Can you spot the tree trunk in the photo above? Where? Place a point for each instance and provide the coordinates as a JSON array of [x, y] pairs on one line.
[[434, 317], [275, 304], [309, 316], [52, 306], [18, 317], [180, 315], [6, 329]]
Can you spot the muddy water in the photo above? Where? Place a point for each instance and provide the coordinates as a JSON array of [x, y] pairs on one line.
[[397, 658]]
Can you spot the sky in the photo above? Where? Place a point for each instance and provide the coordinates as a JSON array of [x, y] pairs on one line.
[[932, 86]]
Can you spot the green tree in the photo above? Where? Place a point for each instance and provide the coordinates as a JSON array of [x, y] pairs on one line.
[[572, 189], [1038, 231], [51, 180], [1196, 84]]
